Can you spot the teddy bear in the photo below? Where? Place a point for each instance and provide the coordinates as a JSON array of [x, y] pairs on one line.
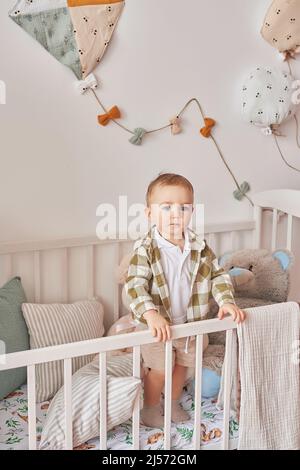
[[259, 277]]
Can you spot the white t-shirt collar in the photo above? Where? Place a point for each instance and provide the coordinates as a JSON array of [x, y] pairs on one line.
[[164, 243]]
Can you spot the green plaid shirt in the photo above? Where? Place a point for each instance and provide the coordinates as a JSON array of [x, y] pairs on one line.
[[147, 289]]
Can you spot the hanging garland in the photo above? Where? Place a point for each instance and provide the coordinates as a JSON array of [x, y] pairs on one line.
[[138, 134]]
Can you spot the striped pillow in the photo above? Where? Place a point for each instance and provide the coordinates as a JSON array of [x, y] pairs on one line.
[[122, 392], [53, 324]]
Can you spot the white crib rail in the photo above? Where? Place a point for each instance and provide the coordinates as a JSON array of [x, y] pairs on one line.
[[198, 388], [103, 345], [103, 401], [168, 391], [31, 406], [280, 202], [68, 402], [227, 382], [136, 410]]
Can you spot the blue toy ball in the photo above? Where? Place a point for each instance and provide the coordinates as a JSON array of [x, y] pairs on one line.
[[210, 384]]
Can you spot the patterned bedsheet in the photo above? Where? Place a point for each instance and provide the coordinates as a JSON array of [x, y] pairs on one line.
[[14, 427]]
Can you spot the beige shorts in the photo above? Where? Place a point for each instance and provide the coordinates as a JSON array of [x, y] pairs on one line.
[[154, 354]]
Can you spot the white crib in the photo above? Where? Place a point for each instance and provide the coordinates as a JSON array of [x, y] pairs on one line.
[[66, 270]]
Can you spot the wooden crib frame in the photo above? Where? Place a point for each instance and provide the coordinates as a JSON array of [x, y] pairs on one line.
[[278, 201]]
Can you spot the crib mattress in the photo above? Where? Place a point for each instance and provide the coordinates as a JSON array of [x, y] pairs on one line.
[[14, 427]]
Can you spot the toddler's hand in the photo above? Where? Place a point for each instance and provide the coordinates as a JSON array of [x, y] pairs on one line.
[[237, 314], [158, 325]]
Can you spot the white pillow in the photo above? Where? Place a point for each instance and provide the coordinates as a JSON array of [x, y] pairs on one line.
[[122, 392], [53, 324], [122, 326]]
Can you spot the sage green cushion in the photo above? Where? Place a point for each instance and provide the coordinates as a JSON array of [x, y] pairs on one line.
[[13, 331]]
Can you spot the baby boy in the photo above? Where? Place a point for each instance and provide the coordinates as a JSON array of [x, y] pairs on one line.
[[171, 276]]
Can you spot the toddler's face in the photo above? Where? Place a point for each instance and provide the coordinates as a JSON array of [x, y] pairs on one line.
[[171, 209]]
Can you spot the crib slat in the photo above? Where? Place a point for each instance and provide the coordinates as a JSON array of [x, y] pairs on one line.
[[168, 394], [90, 272], [116, 301], [31, 406], [198, 388], [103, 401], [274, 229], [289, 232], [136, 409], [257, 231], [37, 276], [227, 389], [65, 275], [212, 241], [233, 240], [68, 403]]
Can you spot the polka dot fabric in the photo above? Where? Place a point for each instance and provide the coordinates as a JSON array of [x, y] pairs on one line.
[[281, 27], [267, 97], [76, 32]]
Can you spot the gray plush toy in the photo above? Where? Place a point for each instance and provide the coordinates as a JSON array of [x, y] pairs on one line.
[[259, 277]]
